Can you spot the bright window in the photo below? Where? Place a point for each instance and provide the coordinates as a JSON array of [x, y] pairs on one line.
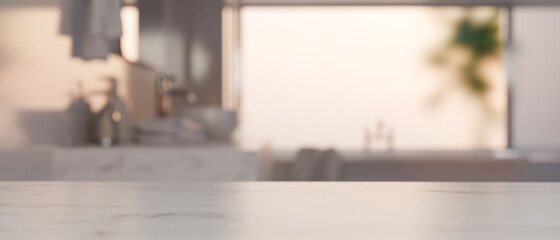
[[326, 76]]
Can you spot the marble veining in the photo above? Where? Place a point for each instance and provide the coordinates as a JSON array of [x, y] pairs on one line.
[[280, 210], [203, 163]]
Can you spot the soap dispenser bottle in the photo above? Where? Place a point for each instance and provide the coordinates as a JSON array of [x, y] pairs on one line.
[[113, 127], [78, 116]]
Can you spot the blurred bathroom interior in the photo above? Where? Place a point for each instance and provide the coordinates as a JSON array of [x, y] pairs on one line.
[[239, 90]]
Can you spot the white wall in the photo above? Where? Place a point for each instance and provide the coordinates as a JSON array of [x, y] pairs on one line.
[[536, 72], [318, 76]]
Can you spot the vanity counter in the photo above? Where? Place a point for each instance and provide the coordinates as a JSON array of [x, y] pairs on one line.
[[129, 163]]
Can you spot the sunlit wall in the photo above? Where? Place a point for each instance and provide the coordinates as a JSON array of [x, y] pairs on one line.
[[39, 76]]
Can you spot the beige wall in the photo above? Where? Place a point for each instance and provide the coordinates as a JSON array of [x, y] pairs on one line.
[[39, 73]]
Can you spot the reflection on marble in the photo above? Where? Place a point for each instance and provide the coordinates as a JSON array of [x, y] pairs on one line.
[[164, 211]]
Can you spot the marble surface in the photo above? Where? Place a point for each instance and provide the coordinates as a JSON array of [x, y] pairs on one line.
[[215, 163], [133, 163], [282, 210]]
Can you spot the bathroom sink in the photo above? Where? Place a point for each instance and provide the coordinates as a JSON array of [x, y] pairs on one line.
[[218, 123]]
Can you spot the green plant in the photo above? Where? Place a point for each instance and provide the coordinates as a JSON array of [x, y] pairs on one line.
[[481, 40]]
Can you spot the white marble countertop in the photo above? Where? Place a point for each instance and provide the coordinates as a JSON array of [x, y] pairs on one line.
[[283, 210], [210, 162]]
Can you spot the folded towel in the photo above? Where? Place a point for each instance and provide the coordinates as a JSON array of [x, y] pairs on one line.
[[171, 139], [316, 165], [168, 125], [169, 131], [306, 164], [331, 165]]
